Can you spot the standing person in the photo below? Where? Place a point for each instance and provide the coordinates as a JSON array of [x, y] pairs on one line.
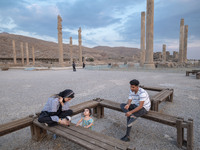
[[83, 65], [87, 121], [141, 105], [74, 66], [56, 110]]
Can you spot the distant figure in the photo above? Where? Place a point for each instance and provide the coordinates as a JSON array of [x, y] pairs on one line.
[[87, 121], [83, 65], [74, 66]]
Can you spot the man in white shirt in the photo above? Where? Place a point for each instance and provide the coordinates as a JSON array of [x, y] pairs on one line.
[[141, 105]]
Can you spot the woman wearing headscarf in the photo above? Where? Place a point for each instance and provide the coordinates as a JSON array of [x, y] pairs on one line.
[[56, 111]]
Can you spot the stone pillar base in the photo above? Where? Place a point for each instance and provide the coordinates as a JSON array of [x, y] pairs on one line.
[[149, 66]]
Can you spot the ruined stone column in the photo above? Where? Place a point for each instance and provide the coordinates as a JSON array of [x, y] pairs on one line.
[[80, 47], [181, 41], [27, 54], [70, 46], [142, 40], [14, 52], [22, 52], [149, 35], [33, 55], [60, 44], [185, 44], [164, 54]]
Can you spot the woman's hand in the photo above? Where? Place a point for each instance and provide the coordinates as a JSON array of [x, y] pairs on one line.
[[64, 122], [60, 99]]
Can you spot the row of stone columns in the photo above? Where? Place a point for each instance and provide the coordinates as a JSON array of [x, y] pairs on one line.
[[22, 53], [60, 44], [147, 55]]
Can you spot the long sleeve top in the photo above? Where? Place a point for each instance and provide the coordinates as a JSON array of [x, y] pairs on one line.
[[52, 107]]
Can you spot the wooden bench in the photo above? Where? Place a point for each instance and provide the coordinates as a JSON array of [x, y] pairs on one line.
[[198, 75], [82, 136], [193, 72], [179, 123], [163, 95], [16, 125]]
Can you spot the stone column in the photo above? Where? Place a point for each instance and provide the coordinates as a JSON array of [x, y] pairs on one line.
[[185, 44], [33, 55], [142, 40], [14, 52], [27, 54], [149, 35], [70, 46], [80, 47], [181, 41], [164, 54], [60, 44], [22, 52]]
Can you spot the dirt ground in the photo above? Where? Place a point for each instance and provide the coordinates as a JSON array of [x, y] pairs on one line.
[[26, 92]]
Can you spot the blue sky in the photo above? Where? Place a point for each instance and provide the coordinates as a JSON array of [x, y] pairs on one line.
[[103, 22]]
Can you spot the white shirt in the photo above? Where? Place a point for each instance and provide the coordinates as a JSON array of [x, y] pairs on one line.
[[141, 95]]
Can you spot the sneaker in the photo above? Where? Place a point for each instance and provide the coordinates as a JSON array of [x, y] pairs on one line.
[[54, 136], [125, 138], [46, 124], [131, 121]]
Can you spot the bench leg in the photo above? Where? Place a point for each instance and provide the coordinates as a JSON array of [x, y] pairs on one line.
[[154, 105], [98, 112], [37, 133], [190, 135], [187, 73], [180, 132]]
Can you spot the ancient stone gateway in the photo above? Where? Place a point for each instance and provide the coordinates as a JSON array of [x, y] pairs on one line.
[[71, 47], [181, 41], [33, 55], [142, 40], [149, 35], [185, 43], [14, 52], [27, 54], [22, 52], [60, 44], [80, 47], [164, 54]]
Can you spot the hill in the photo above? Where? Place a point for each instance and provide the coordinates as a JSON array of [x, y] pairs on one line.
[[46, 49]]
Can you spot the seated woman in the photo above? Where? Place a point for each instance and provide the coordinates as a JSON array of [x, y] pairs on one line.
[[56, 110]]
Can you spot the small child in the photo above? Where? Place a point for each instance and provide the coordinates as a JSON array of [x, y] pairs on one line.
[[87, 121]]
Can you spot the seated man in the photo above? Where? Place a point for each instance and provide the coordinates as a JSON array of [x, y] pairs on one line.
[[141, 105]]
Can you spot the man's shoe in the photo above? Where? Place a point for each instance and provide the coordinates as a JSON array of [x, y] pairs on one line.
[[125, 138]]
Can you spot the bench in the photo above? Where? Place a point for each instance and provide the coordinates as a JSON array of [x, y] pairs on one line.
[[162, 95], [82, 136], [179, 123], [16, 125], [198, 75], [193, 72]]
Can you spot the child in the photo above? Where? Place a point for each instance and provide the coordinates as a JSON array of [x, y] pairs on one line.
[[87, 121]]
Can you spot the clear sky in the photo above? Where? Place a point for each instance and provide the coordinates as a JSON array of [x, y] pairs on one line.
[[103, 22]]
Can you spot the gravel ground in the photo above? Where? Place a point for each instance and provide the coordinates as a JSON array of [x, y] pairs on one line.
[[26, 92]]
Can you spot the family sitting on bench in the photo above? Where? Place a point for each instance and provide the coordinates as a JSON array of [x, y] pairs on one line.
[[56, 111]]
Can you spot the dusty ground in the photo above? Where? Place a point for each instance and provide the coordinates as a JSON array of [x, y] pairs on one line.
[[26, 92]]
